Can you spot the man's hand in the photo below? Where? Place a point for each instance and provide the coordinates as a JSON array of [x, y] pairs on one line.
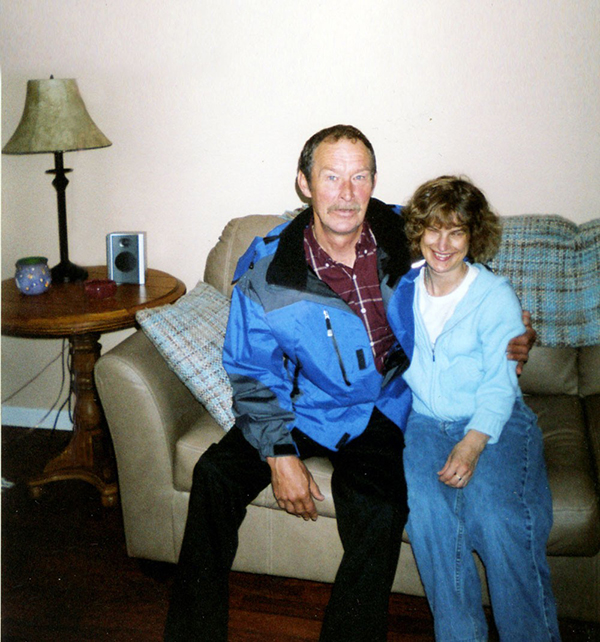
[[519, 347], [294, 487], [462, 461]]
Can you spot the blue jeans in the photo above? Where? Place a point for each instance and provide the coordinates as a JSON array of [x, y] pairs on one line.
[[504, 514]]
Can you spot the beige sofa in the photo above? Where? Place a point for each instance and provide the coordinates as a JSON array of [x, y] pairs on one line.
[[159, 430]]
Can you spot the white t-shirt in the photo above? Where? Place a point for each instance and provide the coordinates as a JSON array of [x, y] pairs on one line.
[[436, 310]]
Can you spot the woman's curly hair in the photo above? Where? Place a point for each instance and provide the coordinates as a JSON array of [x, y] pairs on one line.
[[447, 201]]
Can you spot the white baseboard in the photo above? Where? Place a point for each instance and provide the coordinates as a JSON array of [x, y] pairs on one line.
[[32, 417]]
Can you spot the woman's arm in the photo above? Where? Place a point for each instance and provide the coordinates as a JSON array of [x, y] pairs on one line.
[[499, 320]]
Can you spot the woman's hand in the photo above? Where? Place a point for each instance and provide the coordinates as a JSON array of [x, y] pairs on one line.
[[462, 461]]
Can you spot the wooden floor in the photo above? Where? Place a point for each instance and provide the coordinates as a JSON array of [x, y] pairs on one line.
[[66, 576]]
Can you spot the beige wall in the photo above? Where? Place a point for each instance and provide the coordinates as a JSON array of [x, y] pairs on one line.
[[208, 102]]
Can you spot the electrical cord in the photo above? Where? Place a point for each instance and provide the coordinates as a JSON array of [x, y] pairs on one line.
[[65, 365], [41, 372]]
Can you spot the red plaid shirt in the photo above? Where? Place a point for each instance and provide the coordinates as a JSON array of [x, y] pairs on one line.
[[358, 287]]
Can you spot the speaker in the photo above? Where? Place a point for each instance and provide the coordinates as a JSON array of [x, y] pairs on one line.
[[126, 257]]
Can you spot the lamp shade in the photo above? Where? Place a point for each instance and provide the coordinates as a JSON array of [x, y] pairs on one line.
[[54, 120]]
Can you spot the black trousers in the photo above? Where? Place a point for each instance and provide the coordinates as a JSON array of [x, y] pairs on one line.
[[369, 493]]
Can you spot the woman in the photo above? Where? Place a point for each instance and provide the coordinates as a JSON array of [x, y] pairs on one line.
[[474, 457]]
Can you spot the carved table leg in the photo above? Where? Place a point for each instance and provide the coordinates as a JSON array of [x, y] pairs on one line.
[[88, 456]]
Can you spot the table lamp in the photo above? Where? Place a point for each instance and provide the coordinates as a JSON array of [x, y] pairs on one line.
[[55, 121]]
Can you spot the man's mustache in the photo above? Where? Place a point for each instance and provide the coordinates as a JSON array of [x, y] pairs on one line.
[[354, 207]]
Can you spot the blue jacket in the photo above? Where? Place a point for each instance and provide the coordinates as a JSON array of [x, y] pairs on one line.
[[466, 374], [298, 356]]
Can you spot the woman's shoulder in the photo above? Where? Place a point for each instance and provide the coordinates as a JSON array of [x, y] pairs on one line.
[[494, 287], [489, 278], [497, 294]]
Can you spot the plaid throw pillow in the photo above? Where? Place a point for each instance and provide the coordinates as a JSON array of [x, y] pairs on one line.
[[189, 334], [554, 266]]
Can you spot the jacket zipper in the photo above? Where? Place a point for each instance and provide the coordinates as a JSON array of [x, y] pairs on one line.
[[331, 335]]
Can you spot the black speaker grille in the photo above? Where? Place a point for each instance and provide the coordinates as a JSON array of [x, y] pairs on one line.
[[126, 262]]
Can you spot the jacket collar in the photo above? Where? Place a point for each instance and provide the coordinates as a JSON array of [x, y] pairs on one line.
[[289, 268]]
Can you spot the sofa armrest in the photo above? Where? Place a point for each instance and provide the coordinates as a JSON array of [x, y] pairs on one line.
[[146, 405], [147, 408]]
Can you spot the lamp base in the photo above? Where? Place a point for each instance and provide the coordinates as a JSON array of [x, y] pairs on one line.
[[67, 272]]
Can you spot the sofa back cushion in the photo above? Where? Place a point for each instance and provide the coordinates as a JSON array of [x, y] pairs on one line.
[[550, 371], [589, 371], [552, 263], [233, 242], [562, 371]]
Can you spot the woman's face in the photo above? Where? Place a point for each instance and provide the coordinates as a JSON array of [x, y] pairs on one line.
[[444, 248]]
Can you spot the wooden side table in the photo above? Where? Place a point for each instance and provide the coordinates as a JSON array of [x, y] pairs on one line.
[[66, 311]]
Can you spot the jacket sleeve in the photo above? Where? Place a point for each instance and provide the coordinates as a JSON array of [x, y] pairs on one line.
[[500, 321], [256, 367]]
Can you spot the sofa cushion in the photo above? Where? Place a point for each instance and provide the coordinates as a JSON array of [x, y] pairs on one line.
[[205, 432], [189, 334], [576, 527], [553, 264]]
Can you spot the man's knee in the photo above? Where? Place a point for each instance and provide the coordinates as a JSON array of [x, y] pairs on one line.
[[222, 456], [205, 467], [230, 472]]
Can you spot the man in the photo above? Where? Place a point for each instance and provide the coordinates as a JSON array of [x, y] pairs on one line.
[[315, 370]]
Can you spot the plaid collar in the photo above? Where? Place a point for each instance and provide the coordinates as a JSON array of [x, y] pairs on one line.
[[320, 260]]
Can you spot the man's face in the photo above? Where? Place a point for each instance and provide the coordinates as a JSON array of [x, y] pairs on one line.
[[340, 187]]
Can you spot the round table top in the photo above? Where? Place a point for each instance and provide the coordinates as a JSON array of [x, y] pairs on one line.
[[65, 309]]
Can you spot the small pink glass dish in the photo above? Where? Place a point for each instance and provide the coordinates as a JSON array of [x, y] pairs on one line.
[[100, 288]]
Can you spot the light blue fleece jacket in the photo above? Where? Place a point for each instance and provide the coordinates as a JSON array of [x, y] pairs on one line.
[[466, 375]]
